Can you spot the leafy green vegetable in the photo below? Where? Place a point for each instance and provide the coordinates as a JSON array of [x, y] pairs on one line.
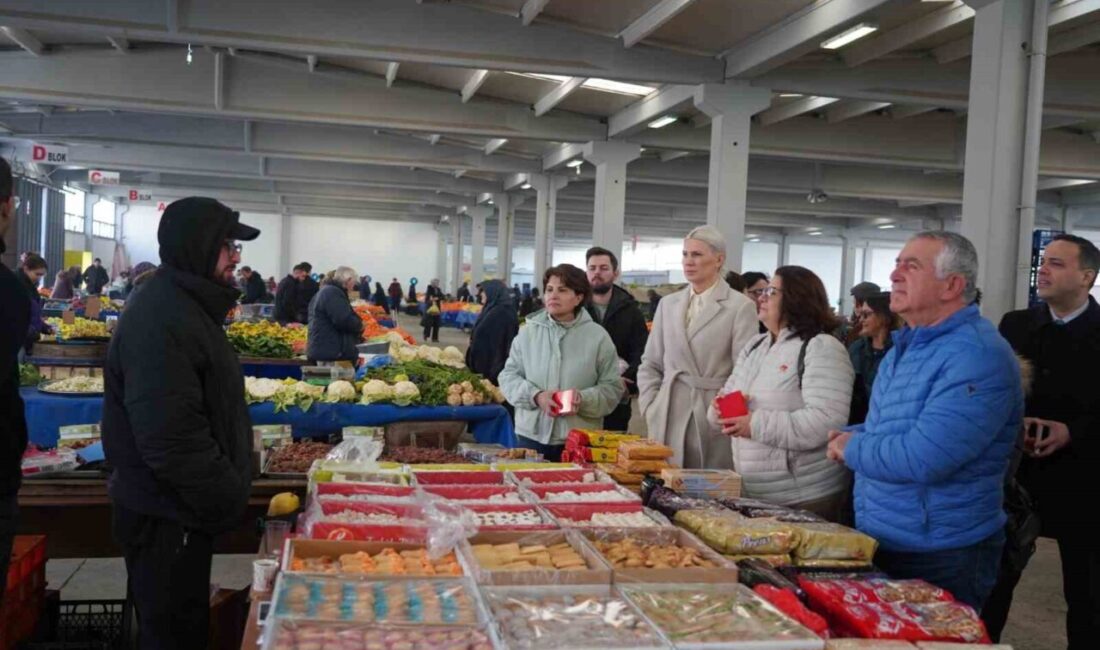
[[29, 375], [260, 346], [432, 379]]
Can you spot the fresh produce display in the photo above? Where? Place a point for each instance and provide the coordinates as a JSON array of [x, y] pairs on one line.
[[29, 375], [90, 385], [267, 339], [303, 635], [630, 553], [536, 621], [437, 385], [389, 562], [514, 557], [80, 328], [722, 614], [418, 455], [421, 602], [286, 393], [370, 314], [296, 458]]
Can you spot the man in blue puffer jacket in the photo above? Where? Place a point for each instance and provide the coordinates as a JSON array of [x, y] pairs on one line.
[[946, 409]]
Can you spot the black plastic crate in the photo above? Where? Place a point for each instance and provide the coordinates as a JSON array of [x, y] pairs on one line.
[[89, 625]]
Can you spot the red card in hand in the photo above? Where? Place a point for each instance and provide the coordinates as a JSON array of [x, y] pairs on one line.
[[732, 405]]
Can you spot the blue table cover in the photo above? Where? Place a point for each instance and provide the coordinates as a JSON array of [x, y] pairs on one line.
[[271, 371], [386, 322], [489, 424]]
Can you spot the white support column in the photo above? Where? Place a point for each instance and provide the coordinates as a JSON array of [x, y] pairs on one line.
[[995, 149], [478, 215], [440, 259], [609, 212], [546, 186], [730, 107], [784, 251], [456, 255], [284, 246], [867, 264], [847, 274], [505, 217]]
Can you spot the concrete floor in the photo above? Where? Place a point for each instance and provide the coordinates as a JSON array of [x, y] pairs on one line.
[[1037, 620]]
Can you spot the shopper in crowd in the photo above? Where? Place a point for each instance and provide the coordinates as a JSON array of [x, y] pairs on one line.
[[411, 297], [797, 381], [756, 283], [137, 274], [271, 286], [16, 308], [1061, 339], [286, 296], [176, 428], [334, 327], [697, 335], [876, 325], [380, 298], [463, 293], [62, 286], [850, 331], [493, 332], [395, 296], [95, 277], [252, 286], [531, 304], [946, 409], [33, 270], [118, 285], [736, 282], [561, 348], [617, 311], [306, 291], [654, 301], [76, 277], [517, 296], [433, 303]]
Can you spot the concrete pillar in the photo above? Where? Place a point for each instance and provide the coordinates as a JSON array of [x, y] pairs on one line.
[[284, 247], [478, 215], [440, 260], [546, 187], [730, 107], [847, 274], [505, 217], [784, 251], [867, 265], [995, 150], [609, 212], [456, 253]]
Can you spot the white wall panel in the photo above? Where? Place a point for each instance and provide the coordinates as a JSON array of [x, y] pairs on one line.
[[381, 249]]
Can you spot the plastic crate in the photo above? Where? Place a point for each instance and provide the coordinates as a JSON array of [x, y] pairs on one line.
[[91, 625]]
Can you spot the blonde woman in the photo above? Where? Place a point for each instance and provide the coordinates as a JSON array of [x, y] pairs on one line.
[[697, 334], [334, 327]]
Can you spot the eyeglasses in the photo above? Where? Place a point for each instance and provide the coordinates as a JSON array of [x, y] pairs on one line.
[[768, 292], [233, 247], [757, 292], [864, 314]]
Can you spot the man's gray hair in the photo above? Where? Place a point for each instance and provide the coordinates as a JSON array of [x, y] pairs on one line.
[[342, 274], [710, 236], [957, 257]]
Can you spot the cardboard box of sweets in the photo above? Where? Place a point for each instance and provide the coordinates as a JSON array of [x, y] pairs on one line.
[[552, 557], [714, 483]]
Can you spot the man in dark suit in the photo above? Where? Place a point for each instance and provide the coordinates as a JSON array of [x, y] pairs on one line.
[[1061, 339]]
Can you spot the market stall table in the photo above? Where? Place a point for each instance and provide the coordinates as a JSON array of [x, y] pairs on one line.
[[272, 368], [489, 424]]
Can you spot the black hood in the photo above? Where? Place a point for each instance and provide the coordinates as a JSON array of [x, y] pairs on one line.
[[192, 232]]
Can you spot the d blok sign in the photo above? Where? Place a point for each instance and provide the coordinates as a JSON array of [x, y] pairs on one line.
[[50, 154]]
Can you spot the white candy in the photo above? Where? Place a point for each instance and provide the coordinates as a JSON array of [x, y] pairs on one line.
[[353, 517], [588, 497], [522, 518], [614, 520]]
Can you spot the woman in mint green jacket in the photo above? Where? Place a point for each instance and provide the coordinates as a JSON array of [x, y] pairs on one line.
[[560, 348]]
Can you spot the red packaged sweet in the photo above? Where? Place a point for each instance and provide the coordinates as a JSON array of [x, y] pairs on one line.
[[732, 405], [787, 602], [566, 402]]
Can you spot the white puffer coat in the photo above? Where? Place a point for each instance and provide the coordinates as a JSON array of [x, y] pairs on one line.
[[784, 460]]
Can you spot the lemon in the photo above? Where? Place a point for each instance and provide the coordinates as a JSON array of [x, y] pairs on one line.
[[283, 503], [400, 378]]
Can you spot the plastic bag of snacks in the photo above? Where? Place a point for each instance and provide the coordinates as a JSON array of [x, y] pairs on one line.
[[756, 508], [755, 572], [787, 602], [668, 502], [730, 533], [644, 450], [826, 542]]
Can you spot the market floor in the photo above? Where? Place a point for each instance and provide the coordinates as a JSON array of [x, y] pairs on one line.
[[1037, 620]]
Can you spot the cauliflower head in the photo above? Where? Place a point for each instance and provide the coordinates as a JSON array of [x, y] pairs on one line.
[[340, 391], [405, 393], [377, 390]]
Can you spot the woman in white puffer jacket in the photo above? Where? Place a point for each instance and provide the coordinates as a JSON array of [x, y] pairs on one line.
[[797, 381]]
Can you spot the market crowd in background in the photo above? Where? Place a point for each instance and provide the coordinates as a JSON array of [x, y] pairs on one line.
[[950, 440]]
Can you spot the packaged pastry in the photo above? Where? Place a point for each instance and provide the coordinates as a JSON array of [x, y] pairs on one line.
[[754, 572], [644, 450], [827, 541], [777, 560], [945, 645], [596, 438], [388, 562], [733, 534], [619, 475], [288, 634], [642, 466], [669, 502], [786, 601], [420, 602]]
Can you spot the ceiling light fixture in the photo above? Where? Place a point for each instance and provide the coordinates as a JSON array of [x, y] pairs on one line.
[[815, 233], [574, 163], [525, 186], [887, 226], [595, 83], [754, 239], [790, 94], [662, 121], [849, 36], [189, 57]]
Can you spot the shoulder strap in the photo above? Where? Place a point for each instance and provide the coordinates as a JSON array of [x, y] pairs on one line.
[[802, 361], [757, 344]]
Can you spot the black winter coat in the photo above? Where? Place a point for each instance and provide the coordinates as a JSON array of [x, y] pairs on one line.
[[1062, 390], [625, 323], [286, 301], [254, 290], [16, 309], [95, 278], [306, 290], [491, 338], [334, 327], [175, 425]]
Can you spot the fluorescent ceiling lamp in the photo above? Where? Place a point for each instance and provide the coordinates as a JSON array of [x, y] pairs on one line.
[[790, 94], [606, 85], [815, 233], [887, 226], [754, 239], [849, 36], [664, 120], [574, 163], [525, 186]]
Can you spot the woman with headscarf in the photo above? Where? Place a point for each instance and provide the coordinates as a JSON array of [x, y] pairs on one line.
[[334, 327], [654, 301], [493, 332], [33, 268], [433, 300], [62, 286], [380, 297], [364, 289]]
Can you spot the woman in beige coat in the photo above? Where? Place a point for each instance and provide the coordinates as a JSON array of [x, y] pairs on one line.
[[697, 334]]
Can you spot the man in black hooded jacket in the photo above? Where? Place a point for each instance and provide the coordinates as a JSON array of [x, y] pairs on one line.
[[175, 425], [15, 306]]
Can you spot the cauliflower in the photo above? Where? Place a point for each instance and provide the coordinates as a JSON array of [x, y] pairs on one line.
[[429, 354], [469, 399], [340, 391], [452, 357], [405, 393], [310, 391], [406, 353], [261, 389], [377, 390]]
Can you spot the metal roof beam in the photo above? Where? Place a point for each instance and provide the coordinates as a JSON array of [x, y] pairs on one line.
[[652, 20], [1061, 12], [388, 30], [848, 110], [907, 33], [473, 84], [795, 108], [24, 39], [557, 95], [391, 72], [531, 10], [644, 111]]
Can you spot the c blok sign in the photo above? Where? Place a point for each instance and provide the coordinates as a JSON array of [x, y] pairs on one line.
[[99, 177]]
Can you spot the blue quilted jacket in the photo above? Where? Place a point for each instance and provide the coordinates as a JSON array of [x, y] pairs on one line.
[[930, 460]]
